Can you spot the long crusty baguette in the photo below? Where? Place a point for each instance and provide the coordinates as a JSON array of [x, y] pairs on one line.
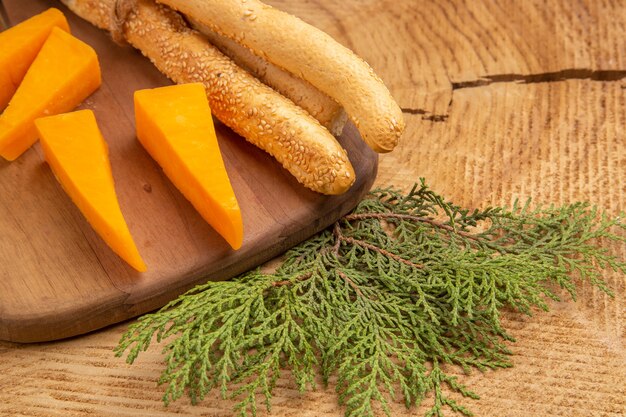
[[326, 110], [309, 53], [249, 107]]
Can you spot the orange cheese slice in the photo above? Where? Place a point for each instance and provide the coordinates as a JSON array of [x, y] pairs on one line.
[[174, 124], [64, 73], [78, 155], [20, 45]]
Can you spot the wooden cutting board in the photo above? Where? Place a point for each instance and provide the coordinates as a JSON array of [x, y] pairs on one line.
[[59, 279]]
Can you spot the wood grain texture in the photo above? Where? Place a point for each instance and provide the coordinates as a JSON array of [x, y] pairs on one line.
[[479, 137], [59, 279]]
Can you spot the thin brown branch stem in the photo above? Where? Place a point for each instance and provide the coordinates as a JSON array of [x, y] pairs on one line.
[[340, 237], [432, 222], [355, 287], [302, 277], [382, 251]]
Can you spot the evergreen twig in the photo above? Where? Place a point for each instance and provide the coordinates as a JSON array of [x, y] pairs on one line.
[[383, 300]]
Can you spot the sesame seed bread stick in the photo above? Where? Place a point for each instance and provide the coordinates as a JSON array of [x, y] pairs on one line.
[[308, 53], [252, 109], [326, 110]]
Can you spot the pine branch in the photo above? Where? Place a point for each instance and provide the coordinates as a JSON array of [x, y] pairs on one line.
[[383, 300]]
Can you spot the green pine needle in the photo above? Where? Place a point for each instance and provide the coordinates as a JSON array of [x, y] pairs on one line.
[[382, 301]]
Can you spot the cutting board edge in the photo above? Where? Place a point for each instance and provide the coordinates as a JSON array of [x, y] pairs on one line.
[[20, 329]]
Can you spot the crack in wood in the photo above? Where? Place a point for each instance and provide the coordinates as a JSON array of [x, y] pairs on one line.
[[425, 115], [545, 77], [410, 110]]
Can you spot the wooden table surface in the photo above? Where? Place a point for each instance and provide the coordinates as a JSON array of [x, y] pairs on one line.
[[503, 100]]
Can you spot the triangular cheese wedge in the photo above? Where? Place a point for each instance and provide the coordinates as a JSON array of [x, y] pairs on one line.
[[174, 124], [78, 155], [20, 45], [64, 73]]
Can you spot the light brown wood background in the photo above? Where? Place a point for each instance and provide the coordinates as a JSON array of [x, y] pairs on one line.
[[504, 100]]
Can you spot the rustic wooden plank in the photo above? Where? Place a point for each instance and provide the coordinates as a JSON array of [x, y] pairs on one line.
[[555, 142]]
